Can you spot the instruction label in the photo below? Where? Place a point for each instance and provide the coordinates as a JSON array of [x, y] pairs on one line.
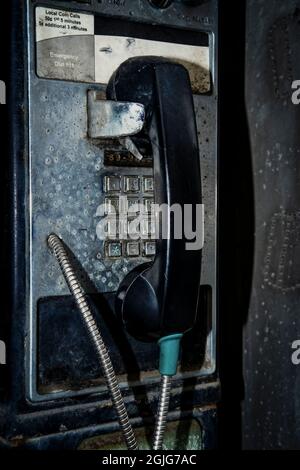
[[65, 45], [56, 23]]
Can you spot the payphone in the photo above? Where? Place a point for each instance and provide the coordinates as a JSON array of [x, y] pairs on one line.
[[116, 110]]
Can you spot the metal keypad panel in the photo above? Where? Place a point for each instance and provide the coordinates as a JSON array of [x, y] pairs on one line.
[[128, 198]]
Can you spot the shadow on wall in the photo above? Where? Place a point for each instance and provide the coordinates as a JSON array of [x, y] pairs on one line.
[[236, 222]]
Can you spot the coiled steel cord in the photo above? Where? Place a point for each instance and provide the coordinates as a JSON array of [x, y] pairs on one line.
[[162, 414], [60, 253]]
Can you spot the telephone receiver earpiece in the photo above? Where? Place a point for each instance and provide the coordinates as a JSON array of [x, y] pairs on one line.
[[160, 299]]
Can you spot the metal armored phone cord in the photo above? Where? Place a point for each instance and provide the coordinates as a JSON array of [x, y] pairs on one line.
[[60, 253], [162, 413], [168, 361]]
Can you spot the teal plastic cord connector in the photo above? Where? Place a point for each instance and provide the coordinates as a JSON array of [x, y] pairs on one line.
[[169, 354]]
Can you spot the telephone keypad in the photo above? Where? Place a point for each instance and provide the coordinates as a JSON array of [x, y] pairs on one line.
[[129, 207]]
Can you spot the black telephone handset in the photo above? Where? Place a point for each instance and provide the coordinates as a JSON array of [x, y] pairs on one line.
[[160, 299]]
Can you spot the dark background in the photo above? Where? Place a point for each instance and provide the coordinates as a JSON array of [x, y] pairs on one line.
[[236, 219], [4, 119]]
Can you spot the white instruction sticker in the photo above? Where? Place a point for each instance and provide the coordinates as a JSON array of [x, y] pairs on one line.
[[52, 23], [65, 45]]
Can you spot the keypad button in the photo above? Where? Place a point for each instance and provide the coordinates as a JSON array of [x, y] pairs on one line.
[[111, 206], [133, 249], [132, 206], [148, 184], [148, 228], [134, 229], [114, 250], [132, 184], [150, 249], [148, 205], [112, 184], [112, 228]]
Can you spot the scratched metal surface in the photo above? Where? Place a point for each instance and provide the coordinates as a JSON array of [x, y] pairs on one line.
[[67, 173]]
